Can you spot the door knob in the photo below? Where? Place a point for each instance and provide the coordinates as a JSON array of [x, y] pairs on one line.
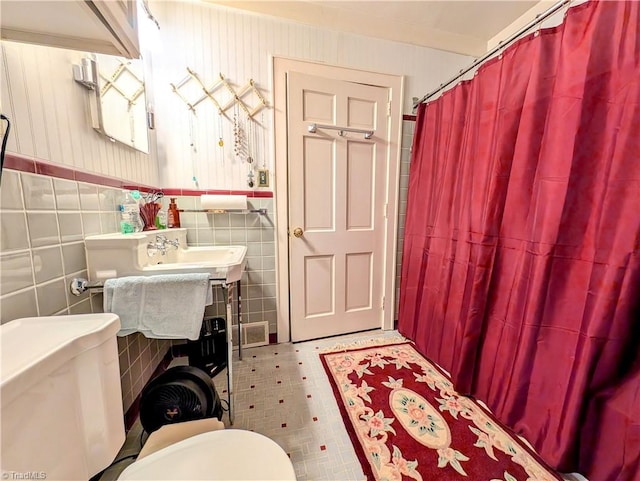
[[298, 232]]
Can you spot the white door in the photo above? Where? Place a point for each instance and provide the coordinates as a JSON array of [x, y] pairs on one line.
[[336, 205]]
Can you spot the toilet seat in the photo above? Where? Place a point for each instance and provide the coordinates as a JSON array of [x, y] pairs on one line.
[[230, 454]]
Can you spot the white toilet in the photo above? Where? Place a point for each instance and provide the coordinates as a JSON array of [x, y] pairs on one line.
[[62, 411]]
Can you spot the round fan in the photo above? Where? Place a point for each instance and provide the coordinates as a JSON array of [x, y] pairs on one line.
[[182, 393]]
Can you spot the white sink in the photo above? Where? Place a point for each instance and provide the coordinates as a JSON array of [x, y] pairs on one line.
[[138, 254]]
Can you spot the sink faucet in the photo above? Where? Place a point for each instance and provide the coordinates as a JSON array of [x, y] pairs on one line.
[[173, 242], [161, 244]]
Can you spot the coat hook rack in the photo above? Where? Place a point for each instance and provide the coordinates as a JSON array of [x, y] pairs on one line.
[[112, 83], [209, 93]]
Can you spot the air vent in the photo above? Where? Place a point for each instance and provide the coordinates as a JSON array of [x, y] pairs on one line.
[[254, 334]]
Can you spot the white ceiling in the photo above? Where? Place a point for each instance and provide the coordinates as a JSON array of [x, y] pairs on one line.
[[467, 27]]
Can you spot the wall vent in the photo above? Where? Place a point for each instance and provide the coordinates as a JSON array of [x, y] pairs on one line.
[[254, 334]]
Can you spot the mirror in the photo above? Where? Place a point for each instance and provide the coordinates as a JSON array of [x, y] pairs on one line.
[[119, 110]]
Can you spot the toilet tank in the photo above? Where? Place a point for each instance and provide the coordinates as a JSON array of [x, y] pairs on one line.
[[60, 394]]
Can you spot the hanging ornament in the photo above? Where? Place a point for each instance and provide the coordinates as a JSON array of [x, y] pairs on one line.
[[237, 133], [220, 140], [250, 143]]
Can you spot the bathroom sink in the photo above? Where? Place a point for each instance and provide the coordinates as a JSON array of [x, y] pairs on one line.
[[160, 252], [222, 262]]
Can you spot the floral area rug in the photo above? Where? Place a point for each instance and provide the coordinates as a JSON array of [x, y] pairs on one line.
[[406, 421]]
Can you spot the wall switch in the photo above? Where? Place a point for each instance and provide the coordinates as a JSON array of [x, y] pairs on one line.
[[263, 178]]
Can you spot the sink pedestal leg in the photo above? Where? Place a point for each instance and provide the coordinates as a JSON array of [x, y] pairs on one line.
[[229, 314], [239, 319]]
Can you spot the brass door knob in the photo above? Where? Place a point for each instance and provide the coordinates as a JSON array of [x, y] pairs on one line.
[[298, 232]]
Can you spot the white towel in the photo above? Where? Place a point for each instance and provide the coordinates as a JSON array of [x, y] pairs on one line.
[[160, 307]]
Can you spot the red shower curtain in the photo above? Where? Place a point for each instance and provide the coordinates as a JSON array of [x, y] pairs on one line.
[[521, 269]]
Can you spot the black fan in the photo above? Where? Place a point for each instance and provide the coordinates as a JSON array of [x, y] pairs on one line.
[[182, 393]]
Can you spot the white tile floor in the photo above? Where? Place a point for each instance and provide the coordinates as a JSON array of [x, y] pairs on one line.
[[282, 391]]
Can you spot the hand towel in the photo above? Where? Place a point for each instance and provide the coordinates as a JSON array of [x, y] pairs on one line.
[[160, 307]]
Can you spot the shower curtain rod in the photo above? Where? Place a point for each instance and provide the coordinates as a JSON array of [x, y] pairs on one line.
[[503, 44]]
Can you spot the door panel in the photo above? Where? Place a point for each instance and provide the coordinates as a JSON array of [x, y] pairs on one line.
[[318, 160], [319, 274], [360, 186], [359, 281], [336, 200], [361, 113], [318, 106]]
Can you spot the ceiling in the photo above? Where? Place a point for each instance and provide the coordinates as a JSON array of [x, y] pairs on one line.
[[466, 27]]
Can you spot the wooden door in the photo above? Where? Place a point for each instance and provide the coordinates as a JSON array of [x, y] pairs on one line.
[[336, 205]]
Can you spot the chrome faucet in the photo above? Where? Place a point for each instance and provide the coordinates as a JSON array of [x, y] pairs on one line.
[[173, 242], [161, 244]]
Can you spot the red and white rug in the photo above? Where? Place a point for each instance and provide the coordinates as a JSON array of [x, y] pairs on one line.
[[406, 421]]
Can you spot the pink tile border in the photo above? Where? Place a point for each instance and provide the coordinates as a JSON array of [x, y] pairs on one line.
[[31, 165], [23, 164]]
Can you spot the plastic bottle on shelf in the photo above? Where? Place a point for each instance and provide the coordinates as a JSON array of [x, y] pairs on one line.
[[161, 219], [130, 212]]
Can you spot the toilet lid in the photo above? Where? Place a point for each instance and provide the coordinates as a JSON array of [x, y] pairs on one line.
[[229, 454]]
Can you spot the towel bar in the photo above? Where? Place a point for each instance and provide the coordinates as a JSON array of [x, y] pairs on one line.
[[262, 211], [79, 285]]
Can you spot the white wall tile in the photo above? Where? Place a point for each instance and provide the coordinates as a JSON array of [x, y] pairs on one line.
[[88, 196], [47, 263], [222, 237], [91, 223], [15, 272], [67, 197], [109, 199], [52, 297], [70, 224], [74, 258], [83, 307], [11, 191], [38, 192], [13, 231], [109, 222], [18, 305], [221, 220], [205, 237], [43, 228]]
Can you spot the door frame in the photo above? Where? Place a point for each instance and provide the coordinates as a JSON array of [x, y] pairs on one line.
[[395, 85]]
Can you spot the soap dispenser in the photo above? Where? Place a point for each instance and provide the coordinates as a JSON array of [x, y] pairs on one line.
[[173, 215]]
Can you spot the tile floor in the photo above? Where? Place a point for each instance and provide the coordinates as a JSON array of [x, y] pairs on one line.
[[282, 391]]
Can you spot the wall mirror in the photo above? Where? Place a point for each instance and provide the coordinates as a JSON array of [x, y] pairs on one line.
[[119, 107]]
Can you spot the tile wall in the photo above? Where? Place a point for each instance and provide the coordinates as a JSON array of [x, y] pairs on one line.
[[43, 223], [408, 127], [253, 230]]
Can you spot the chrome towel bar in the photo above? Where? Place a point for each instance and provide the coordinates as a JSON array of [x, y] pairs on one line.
[[79, 285], [312, 128], [262, 211]]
